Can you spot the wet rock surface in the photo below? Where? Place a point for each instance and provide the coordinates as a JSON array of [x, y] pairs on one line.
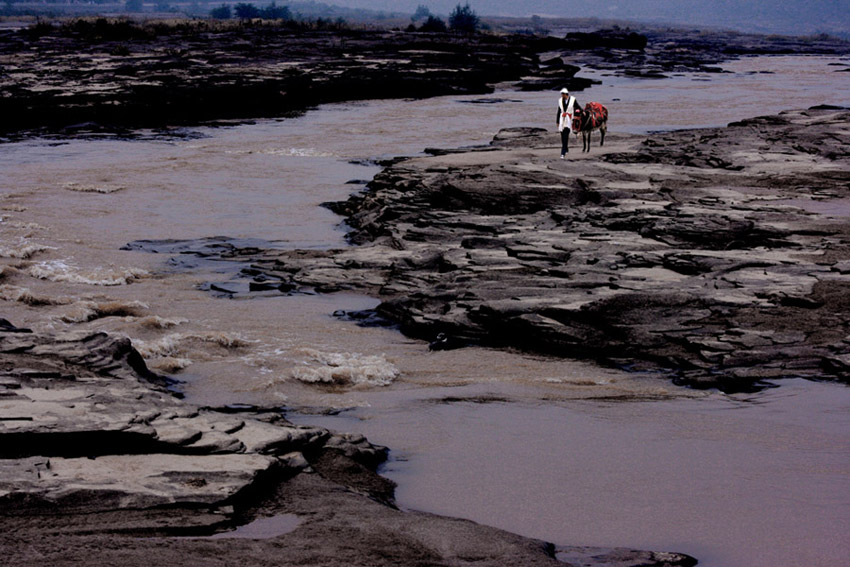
[[85, 427], [101, 462], [717, 256]]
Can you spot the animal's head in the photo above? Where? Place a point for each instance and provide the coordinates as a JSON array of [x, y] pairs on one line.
[[582, 118]]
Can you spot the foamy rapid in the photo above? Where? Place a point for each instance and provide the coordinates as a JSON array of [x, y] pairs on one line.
[[176, 351], [13, 208], [162, 347], [297, 152], [108, 188], [84, 311], [27, 297], [23, 250], [169, 364], [157, 322], [60, 271], [24, 225], [345, 368]]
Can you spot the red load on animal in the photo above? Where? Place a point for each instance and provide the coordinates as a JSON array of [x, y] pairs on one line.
[[594, 116], [598, 113]]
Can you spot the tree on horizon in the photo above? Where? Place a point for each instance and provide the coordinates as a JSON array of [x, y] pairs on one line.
[[433, 24], [422, 12], [463, 19], [223, 12], [246, 11]]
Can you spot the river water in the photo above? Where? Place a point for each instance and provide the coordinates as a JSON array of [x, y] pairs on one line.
[[555, 449]]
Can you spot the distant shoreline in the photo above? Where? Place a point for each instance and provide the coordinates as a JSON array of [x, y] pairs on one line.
[[91, 76]]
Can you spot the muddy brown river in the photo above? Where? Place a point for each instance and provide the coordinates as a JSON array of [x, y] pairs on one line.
[[555, 449]]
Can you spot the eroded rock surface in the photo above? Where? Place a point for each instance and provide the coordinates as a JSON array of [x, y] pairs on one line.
[[112, 76], [100, 463], [85, 427], [718, 255]]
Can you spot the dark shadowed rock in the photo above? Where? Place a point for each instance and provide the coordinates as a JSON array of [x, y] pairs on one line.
[[111, 77], [67, 81]]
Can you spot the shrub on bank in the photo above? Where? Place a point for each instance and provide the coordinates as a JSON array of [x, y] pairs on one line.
[[246, 11], [433, 24], [103, 29], [223, 12], [275, 12], [464, 20]]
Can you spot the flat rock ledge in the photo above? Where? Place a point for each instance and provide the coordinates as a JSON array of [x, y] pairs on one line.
[[719, 257], [101, 464]]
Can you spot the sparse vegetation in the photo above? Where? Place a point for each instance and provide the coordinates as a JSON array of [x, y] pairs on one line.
[[464, 20], [307, 12], [245, 11], [433, 24], [223, 12], [123, 29], [103, 29], [422, 13]]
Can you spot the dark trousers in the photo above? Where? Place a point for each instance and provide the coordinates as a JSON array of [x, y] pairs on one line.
[[565, 140]]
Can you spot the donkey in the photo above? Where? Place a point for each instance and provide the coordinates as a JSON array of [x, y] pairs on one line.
[[594, 116]]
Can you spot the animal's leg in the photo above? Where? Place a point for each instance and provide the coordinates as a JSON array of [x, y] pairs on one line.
[[602, 130]]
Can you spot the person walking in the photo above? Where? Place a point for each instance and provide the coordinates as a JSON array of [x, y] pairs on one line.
[[566, 108]]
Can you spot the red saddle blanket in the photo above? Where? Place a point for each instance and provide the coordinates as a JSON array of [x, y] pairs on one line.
[[593, 115]]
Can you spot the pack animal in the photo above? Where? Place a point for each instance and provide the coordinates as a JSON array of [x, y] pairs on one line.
[[594, 116]]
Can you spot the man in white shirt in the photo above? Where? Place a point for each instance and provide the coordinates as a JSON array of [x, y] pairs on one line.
[[566, 108]]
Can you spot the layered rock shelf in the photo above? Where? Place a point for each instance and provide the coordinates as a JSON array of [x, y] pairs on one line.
[[718, 257], [101, 463], [85, 427]]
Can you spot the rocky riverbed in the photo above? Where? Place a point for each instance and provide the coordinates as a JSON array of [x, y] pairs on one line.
[[101, 462], [701, 254], [718, 257], [113, 76]]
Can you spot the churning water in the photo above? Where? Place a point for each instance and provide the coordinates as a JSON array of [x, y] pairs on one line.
[[555, 449]]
